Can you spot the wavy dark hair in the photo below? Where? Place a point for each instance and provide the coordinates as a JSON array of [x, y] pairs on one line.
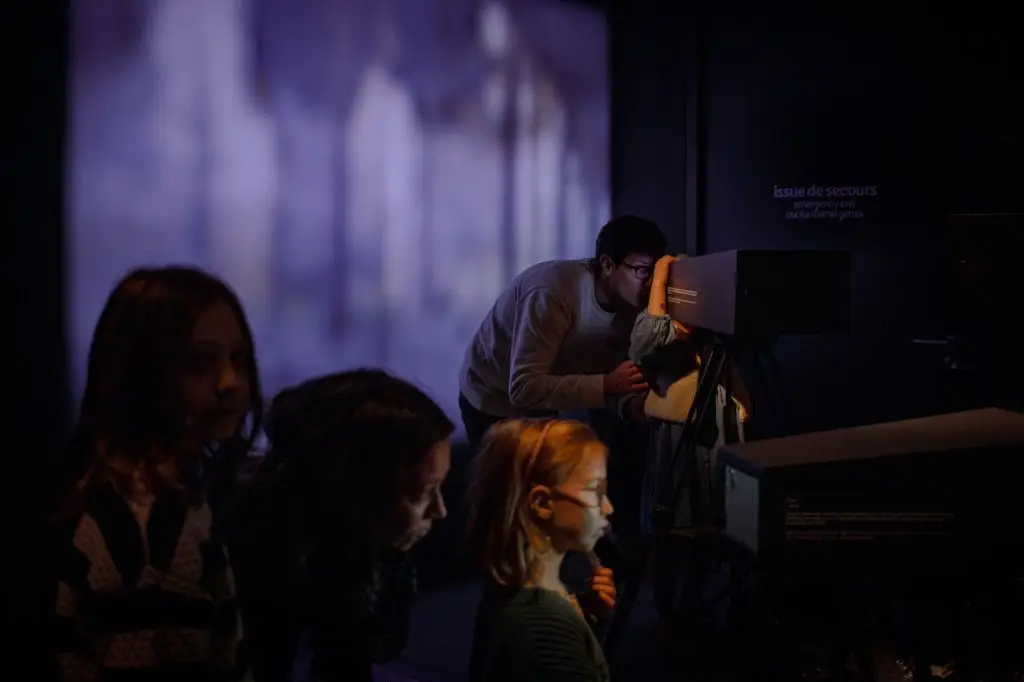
[[339, 443], [626, 234], [130, 414], [306, 528]]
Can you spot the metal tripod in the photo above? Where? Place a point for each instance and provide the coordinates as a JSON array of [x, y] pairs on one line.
[[671, 487]]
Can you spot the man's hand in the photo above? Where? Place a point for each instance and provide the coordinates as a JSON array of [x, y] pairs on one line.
[[624, 379], [633, 410]]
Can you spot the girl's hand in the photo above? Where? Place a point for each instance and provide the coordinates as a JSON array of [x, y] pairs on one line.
[[661, 269], [742, 411], [599, 599]]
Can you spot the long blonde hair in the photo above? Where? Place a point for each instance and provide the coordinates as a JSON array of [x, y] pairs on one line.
[[517, 455]]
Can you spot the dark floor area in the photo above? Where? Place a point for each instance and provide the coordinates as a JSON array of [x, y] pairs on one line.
[[438, 649]]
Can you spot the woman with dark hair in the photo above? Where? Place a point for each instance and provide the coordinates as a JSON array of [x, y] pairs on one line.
[[352, 482], [144, 583]]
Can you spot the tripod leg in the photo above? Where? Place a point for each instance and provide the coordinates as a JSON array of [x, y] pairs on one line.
[[697, 567], [630, 589], [704, 401], [666, 567]]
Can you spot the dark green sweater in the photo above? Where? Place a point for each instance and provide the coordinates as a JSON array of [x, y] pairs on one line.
[[533, 635]]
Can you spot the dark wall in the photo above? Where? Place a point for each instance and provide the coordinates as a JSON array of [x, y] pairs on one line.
[[840, 108], [35, 384], [650, 65], [35, 316], [712, 114]]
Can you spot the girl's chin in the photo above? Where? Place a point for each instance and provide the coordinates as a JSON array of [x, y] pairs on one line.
[[221, 435], [223, 429]]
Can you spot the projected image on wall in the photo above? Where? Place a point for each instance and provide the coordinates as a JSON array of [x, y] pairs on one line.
[[367, 174]]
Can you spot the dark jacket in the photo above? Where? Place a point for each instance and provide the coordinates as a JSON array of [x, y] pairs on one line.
[[337, 612]]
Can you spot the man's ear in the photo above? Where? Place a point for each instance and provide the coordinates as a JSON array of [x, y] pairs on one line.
[[607, 264], [539, 502]]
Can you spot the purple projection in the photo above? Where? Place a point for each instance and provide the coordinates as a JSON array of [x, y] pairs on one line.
[[367, 174]]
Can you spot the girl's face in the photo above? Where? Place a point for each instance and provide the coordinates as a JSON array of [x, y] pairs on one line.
[[215, 383], [420, 502], [575, 514]]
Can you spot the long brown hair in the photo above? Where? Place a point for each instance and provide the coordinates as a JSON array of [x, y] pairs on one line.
[[516, 456], [131, 421]]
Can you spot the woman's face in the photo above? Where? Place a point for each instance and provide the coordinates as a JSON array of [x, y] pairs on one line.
[[579, 508], [420, 502], [214, 385]]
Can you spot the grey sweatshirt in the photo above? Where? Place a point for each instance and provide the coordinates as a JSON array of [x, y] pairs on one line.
[[545, 345]]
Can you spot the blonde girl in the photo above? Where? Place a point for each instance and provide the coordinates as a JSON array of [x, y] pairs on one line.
[[539, 491]]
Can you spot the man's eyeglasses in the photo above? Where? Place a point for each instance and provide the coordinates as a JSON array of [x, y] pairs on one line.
[[641, 272]]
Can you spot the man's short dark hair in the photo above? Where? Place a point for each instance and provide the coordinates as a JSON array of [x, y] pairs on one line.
[[628, 234]]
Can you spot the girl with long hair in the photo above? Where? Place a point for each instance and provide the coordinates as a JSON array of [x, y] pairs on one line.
[[352, 482], [144, 588], [539, 491]]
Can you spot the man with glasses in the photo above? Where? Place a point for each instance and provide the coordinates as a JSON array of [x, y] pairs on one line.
[[557, 339]]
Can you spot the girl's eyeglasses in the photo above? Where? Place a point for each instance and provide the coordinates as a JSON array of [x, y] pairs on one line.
[[600, 493]]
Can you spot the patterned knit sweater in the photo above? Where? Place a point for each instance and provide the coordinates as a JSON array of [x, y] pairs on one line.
[[145, 593]]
